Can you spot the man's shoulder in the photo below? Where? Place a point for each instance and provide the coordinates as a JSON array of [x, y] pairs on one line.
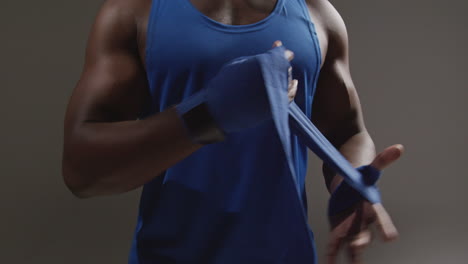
[[126, 8], [326, 14], [331, 22], [123, 17]]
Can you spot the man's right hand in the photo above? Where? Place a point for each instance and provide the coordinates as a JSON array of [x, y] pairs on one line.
[[236, 97], [292, 88]]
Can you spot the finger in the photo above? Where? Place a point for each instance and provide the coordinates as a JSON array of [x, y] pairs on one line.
[[292, 87], [292, 90], [337, 237], [289, 74], [277, 43], [332, 250], [358, 236], [289, 55], [361, 240], [363, 237], [333, 246], [355, 256], [388, 156], [384, 223]]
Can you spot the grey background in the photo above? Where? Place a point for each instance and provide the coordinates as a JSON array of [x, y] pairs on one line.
[[408, 62]]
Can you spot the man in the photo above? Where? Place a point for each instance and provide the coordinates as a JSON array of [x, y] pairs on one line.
[[124, 127]]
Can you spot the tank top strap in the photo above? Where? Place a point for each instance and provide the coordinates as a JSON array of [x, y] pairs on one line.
[[306, 14], [150, 31]]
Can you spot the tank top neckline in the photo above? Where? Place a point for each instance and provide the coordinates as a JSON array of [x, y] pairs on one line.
[[234, 28]]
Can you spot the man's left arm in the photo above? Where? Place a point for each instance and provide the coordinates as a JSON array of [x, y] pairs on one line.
[[338, 115], [336, 109]]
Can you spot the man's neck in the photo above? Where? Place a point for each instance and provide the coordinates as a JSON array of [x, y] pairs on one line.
[[235, 12]]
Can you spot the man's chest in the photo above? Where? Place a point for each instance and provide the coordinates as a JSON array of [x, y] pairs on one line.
[[243, 13]]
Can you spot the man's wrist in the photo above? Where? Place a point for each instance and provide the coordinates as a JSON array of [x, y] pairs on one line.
[[334, 183], [201, 126]]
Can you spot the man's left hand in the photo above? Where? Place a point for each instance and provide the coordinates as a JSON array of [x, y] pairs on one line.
[[351, 229]]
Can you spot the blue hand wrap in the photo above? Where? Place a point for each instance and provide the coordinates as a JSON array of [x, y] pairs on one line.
[[361, 180], [319, 144], [236, 97], [344, 196]]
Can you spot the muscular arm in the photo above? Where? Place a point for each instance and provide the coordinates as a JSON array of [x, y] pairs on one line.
[[336, 108], [106, 149]]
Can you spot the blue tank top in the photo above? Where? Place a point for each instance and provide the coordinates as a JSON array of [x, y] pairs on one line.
[[233, 201]]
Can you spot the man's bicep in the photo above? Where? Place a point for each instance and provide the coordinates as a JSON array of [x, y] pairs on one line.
[[336, 108], [113, 84]]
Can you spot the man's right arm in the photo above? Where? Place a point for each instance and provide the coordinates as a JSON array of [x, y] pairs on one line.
[[107, 150]]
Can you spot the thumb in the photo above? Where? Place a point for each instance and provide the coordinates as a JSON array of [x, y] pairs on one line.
[[387, 156]]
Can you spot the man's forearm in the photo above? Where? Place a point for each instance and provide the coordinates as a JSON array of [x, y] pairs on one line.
[[358, 149], [102, 158]]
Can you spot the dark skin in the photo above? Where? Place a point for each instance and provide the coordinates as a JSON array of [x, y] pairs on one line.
[[101, 119]]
